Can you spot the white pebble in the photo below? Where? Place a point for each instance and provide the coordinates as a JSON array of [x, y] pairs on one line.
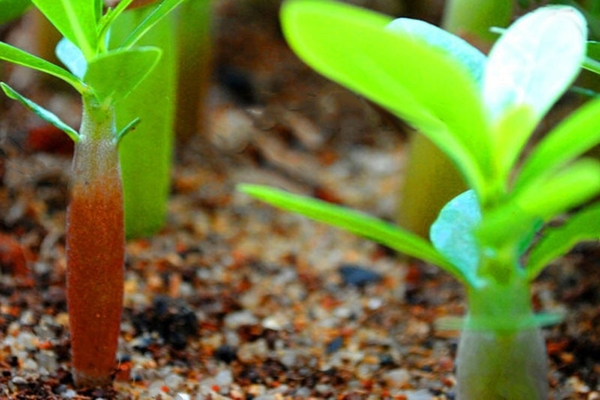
[[224, 378]]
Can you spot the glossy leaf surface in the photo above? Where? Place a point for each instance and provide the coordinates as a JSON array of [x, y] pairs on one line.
[[535, 60], [528, 69]]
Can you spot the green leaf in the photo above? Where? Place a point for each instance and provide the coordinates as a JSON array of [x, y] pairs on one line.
[[115, 74], [453, 233], [567, 188], [535, 61], [41, 112], [355, 222], [159, 12], [512, 131], [593, 50], [17, 56], [574, 136], [430, 89], [555, 242], [72, 57], [473, 59], [109, 17], [127, 128], [75, 20]]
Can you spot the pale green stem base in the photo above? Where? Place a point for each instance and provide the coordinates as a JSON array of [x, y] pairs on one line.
[[502, 366]]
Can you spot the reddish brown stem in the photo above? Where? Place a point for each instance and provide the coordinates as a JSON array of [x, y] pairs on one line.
[[95, 251]]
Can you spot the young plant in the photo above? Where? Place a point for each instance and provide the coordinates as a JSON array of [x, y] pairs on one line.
[[481, 112], [103, 76]]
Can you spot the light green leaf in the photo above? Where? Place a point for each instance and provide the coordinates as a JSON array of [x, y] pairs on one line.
[[75, 20], [41, 112], [555, 242], [115, 74], [512, 131], [567, 188], [473, 59], [578, 133], [72, 57], [453, 233], [159, 12], [535, 61], [17, 56], [430, 89], [355, 222]]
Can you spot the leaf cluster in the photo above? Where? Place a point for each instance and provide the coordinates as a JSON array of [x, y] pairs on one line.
[[106, 75]]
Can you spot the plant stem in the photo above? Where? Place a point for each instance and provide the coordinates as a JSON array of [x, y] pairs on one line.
[[95, 249], [496, 365], [506, 361], [472, 20], [146, 154], [194, 59]]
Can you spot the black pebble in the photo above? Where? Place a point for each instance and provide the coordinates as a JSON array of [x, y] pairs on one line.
[[358, 276]]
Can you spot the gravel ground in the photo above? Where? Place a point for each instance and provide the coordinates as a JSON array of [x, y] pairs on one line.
[[236, 300]]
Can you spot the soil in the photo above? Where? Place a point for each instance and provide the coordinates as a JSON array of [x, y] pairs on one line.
[[233, 299]]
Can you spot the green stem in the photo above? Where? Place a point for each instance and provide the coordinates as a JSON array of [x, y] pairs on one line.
[[146, 154], [473, 19], [194, 58], [501, 354], [95, 249]]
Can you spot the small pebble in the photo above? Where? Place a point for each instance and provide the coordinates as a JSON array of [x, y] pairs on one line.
[[358, 276]]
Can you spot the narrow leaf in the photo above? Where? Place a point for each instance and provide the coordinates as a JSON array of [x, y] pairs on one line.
[[72, 57], [17, 56], [535, 60], [355, 222], [430, 89], [109, 17], [41, 112], [76, 20], [453, 233], [115, 74], [568, 188], [555, 242], [159, 12], [574, 136], [127, 128]]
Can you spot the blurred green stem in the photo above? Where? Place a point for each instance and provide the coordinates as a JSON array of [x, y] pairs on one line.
[[146, 153], [194, 51]]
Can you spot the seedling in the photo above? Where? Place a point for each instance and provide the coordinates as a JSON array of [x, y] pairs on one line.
[[103, 76], [481, 112]]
